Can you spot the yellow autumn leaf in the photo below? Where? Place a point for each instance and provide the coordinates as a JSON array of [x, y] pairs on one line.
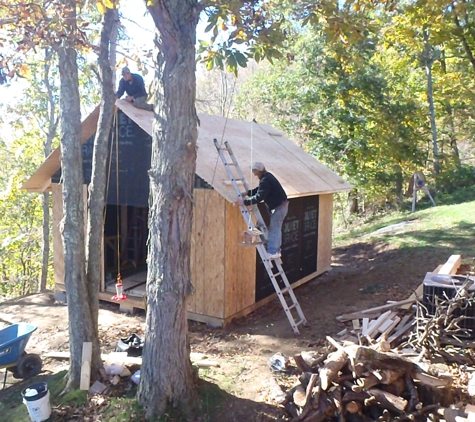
[[109, 4], [24, 71], [101, 8]]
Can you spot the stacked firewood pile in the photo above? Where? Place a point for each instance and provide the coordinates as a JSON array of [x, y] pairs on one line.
[[359, 383], [382, 368]]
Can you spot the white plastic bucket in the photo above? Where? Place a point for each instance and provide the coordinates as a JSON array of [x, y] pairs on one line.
[[36, 398]]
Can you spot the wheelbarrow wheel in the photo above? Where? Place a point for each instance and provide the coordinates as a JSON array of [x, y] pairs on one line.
[[28, 366]]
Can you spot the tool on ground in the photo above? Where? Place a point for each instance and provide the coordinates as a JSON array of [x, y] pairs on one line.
[[255, 222]]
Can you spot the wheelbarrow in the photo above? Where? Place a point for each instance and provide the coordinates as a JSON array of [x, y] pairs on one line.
[[13, 357]]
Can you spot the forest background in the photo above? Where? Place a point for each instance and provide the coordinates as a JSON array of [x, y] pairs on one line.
[[396, 98]]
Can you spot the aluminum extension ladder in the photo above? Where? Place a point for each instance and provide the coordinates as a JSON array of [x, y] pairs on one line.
[[254, 220]]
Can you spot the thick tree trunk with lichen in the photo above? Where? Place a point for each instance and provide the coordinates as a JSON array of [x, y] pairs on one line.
[[72, 225], [97, 186], [166, 375]]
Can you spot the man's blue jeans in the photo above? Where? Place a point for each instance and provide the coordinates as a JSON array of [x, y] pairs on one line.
[[274, 237]]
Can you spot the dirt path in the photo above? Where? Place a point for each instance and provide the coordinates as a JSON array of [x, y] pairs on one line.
[[363, 275]]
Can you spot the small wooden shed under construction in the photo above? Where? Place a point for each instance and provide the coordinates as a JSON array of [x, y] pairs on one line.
[[229, 279]]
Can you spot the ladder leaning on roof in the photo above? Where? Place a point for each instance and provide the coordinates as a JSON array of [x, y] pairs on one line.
[[256, 224]]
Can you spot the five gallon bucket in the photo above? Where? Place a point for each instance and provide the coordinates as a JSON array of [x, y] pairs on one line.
[[36, 398]]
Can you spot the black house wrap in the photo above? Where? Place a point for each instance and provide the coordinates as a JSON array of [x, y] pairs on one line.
[[131, 162], [299, 244]]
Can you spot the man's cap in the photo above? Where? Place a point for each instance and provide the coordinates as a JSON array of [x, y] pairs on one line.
[[125, 70], [258, 166]]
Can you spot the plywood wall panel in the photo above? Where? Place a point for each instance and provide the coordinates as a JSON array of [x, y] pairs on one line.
[[197, 253], [58, 251], [325, 219], [214, 235], [240, 265], [208, 254]]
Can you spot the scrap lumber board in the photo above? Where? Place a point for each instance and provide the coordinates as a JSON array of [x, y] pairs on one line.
[[365, 325], [452, 265], [386, 324], [197, 359], [373, 327], [85, 381], [389, 330], [398, 333], [348, 317]]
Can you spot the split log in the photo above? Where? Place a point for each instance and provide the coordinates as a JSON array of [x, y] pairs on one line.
[[310, 387], [301, 364], [379, 398], [373, 359], [299, 396], [424, 411], [389, 376], [355, 396], [414, 396], [388, 400], [397, 387], [334, 363], [316, 397], [308, 396], [312, 359], [337, 394], [304, 378], [291, 409], [325, 411], [367, 382], [353, 407]]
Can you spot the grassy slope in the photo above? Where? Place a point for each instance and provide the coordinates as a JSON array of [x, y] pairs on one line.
[[450, 225]]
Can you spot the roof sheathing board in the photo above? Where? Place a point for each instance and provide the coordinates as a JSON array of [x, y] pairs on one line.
[[299, 173], [40, 180]]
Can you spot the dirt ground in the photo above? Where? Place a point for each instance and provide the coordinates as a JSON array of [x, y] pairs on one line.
[[363, 275]]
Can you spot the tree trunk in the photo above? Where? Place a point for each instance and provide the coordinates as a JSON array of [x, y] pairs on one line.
[[166, 375], [72, 225], [52, 126], [430, 99], [97, 187], [450, 113]]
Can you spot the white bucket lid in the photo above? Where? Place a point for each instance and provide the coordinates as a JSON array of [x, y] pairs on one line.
[[30, 392]]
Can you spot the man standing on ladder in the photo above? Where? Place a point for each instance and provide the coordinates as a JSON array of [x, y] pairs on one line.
[[272, 193]]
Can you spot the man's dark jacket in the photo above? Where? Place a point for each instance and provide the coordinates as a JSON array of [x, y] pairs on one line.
[[269, 190], [135, 89]]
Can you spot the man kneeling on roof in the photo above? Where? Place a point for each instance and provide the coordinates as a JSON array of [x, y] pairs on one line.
[[134, 86], [272, 193]]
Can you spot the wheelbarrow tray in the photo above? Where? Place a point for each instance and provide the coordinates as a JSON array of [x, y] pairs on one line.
[[13, 340]]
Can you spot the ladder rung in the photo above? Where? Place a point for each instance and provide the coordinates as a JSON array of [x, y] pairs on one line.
[[300, 322], [278, 274], [230, 164], [292, 306]]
